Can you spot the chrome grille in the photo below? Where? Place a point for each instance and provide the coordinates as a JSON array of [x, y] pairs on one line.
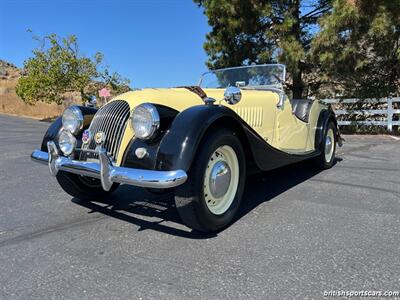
[[112, 120]]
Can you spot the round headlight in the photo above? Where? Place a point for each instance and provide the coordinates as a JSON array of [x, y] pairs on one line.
[[66, 142], [72, 119], [145, 121]]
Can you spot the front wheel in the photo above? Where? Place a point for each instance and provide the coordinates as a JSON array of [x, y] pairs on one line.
[[210, 198]]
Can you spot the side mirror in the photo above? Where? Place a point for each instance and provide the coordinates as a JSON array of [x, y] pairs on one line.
[[232, 95]]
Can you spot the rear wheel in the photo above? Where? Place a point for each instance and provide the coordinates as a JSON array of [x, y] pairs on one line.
[[328, 147], [82, 187], [210, 198]]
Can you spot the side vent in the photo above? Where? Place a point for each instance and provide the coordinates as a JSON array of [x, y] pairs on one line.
[[252, 115]]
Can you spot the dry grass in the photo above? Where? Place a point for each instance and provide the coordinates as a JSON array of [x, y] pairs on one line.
[[10, 103]]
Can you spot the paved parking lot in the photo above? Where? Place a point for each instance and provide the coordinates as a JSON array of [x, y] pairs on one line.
[[299, 233]]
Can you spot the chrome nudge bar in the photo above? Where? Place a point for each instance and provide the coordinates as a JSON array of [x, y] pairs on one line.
[[106, 172]]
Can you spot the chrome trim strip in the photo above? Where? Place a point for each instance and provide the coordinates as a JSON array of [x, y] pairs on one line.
[[106, 172], [249, 66], [243, 67]]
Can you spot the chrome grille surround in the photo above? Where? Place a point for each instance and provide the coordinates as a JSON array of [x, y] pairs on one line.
[[111, 119]]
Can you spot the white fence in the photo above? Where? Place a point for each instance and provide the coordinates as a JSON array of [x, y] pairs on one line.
[[388, 122]]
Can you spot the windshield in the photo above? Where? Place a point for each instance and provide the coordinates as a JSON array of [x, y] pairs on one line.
[[248, 77]]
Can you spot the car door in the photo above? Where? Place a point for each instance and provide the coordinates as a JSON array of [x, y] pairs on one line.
[[291, 134]]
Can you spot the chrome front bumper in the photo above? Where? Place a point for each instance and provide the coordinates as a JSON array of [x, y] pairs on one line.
[[106, 171]]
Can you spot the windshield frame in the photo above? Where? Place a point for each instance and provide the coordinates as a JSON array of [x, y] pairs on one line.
[[242, 67]]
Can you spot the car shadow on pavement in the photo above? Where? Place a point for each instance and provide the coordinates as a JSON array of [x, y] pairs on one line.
[[143, 209], [268, 185], [157, 212]]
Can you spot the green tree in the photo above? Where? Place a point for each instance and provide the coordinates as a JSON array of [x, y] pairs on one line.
[[264, 31], [358, 47], [58, 67]]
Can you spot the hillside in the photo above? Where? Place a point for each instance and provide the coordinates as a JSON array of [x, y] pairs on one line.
[[10, 103]]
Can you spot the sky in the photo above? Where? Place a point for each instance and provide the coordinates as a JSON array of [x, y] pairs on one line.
[[154, 43]]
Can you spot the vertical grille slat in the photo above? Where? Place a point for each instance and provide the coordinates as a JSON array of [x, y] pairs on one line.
[[120, 131], [109, 125], [115, 130], [110, 119], [116, 124]]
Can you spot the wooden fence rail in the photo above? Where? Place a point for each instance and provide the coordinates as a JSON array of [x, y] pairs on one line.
[[389, 112]]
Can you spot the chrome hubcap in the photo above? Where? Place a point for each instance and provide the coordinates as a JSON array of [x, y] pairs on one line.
[[220, 179], [328, 145]]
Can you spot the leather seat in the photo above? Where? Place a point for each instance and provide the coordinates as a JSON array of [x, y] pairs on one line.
[[301, 108]]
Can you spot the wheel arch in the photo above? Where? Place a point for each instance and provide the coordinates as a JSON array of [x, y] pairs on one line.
[[325, 116], [233, 124]]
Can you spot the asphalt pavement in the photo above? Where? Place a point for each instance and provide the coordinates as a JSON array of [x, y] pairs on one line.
[[299, 233]]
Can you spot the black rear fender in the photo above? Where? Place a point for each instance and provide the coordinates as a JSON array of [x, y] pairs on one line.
[[325, 117]]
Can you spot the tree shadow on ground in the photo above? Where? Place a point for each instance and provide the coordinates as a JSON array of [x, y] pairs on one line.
[[157, 212]]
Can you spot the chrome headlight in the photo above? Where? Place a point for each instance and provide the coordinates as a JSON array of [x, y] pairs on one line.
[[72, 119], [66, 142], [145, 121]]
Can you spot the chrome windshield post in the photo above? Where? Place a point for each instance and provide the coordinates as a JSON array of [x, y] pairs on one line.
[[281, 102]]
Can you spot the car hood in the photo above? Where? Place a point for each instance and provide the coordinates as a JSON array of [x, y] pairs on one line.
[[176, 98], [182, 98]]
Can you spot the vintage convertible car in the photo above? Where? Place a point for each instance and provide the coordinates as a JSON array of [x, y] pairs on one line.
[[200, 141]]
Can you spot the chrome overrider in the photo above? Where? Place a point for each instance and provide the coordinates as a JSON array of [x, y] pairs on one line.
[[106, 171]]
